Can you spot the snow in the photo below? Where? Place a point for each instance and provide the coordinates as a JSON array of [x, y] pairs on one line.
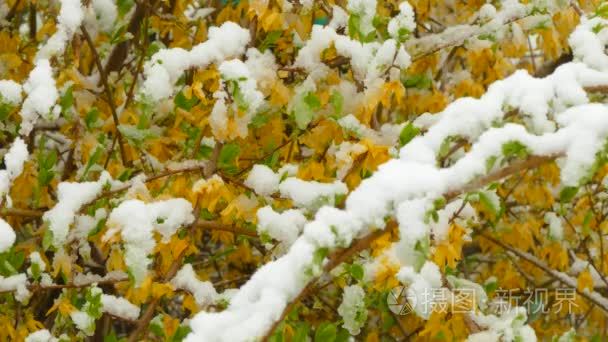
[[203, 291], [83, 322], [510, 326], [36, 259], [41, 96], [17, 283], [167, 65], [556, 228], [71, 197], [69, 20], [344, 153], [7, 236], [137, 222], [106, 13], [311, 194], [235, 74], [366, 10], [421, 288], [10, 91], [42, 335], [262, 67], [119, 307], [368, 60], [403, 21], [14, 159], [352, 309], [284, 227], [262, 180]]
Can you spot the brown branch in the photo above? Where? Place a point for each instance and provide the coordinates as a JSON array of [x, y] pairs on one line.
[[120, 51], [568, 281], [110, 97]]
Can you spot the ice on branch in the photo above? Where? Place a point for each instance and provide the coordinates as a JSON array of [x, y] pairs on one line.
[[167, 65]]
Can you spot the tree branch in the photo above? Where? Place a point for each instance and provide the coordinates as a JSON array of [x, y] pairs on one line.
[[110, 97]]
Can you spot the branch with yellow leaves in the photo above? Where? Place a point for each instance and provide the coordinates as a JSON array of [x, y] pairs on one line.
[[343, 255], [592, 296]]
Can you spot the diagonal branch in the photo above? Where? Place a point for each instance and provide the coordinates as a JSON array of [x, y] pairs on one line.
[[592, 296], [106, 87]]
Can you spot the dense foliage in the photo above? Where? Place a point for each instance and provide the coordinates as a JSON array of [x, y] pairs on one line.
[[303, 170]]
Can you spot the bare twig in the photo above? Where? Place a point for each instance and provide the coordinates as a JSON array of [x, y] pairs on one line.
[[108, 92]]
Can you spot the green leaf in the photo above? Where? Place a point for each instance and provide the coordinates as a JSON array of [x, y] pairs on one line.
[[270, 40], [337, 102], [356, 271], [184, 103], [93, 303], [227, 158], [67, 100], [35, 271], [343, 336], [602, 10], [90, 119], [354, 25], [47, 239], [181, 333], [237, 94], [303, 114], [487, 202], [514, 149], [135, 134], [312, 101], [259, 120], [124, 6], [301, 334], [5, 109], [326, 332], [408, 133], [95, 157], [420, 81], [98, 227], [490, 163], [319, 255], [567, 194]]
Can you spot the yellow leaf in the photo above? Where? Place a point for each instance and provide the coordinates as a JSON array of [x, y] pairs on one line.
[[585, 281]]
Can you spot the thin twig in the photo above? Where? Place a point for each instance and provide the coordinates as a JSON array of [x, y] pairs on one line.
[[110, 97]]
